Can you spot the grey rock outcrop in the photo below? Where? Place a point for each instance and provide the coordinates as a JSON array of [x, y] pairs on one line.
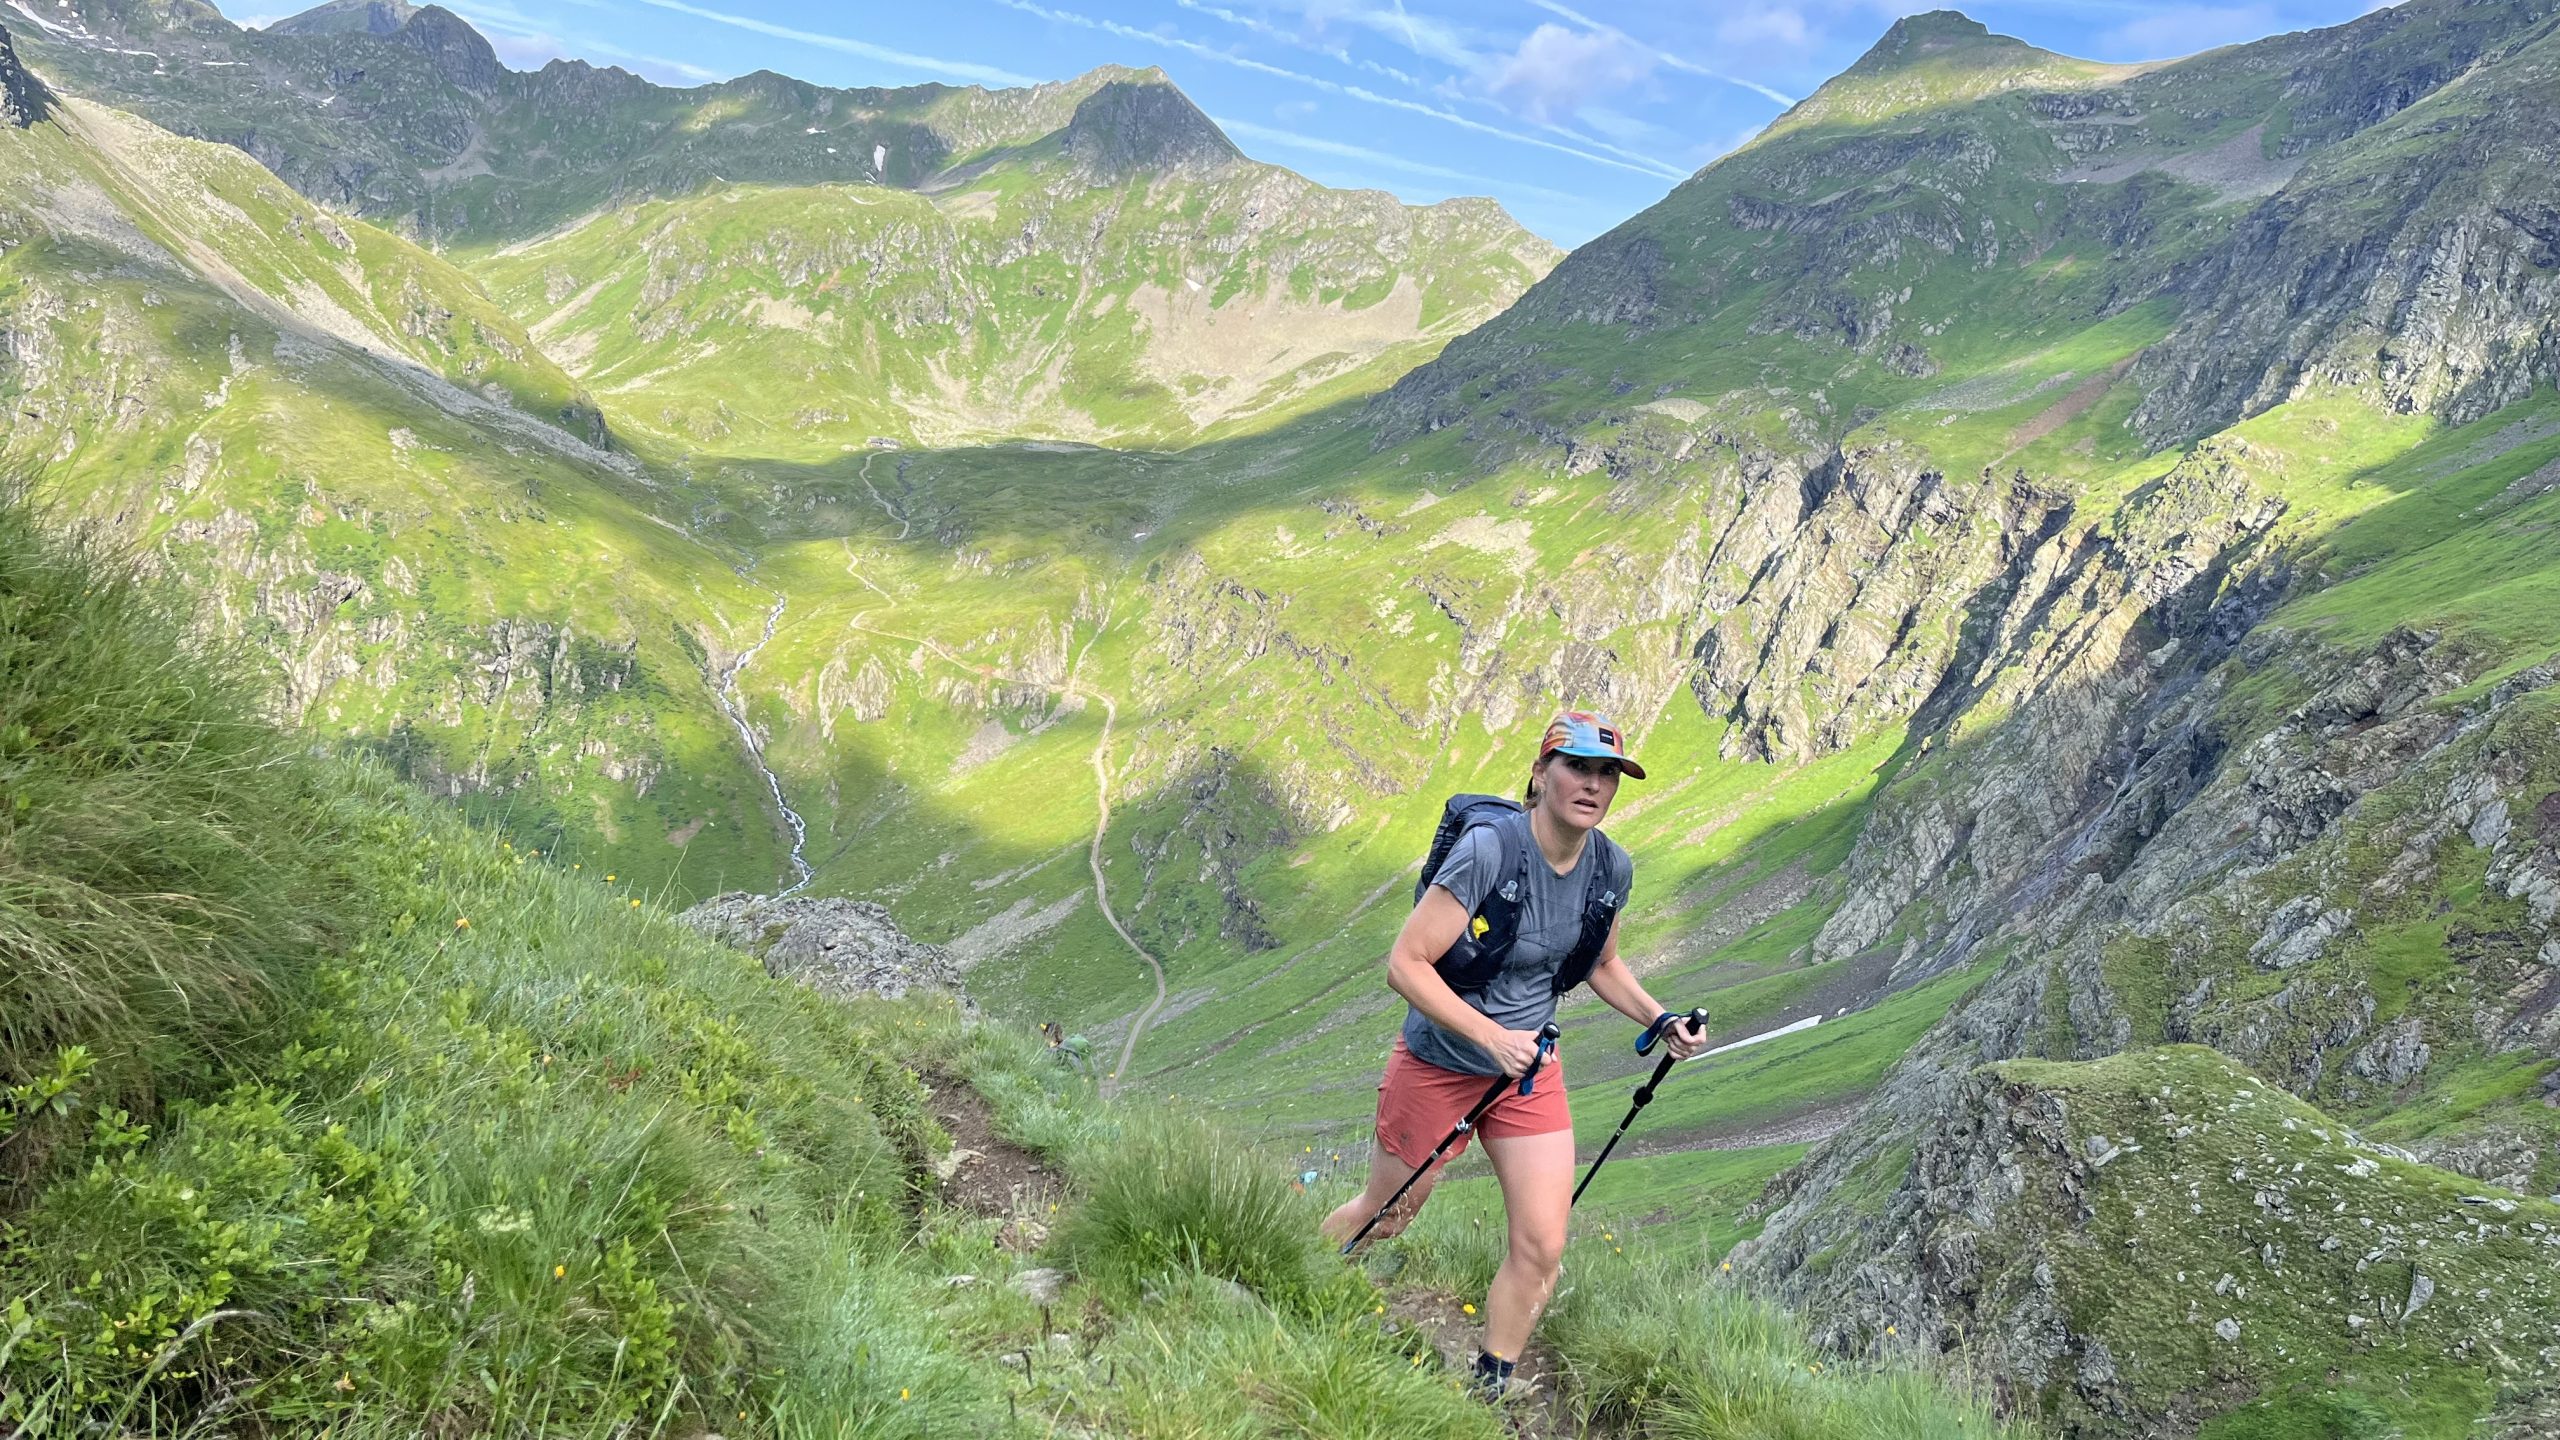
[[23, 98], [834, 946]]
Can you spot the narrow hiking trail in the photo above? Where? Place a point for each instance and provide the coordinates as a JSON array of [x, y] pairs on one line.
[[1101, 760], [1102, 892], [734, 705]]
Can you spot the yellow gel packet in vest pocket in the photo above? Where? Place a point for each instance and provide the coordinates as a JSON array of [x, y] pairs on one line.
[[1480, 927]]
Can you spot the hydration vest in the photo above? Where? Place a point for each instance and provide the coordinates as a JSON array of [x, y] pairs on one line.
[[1485, 944]]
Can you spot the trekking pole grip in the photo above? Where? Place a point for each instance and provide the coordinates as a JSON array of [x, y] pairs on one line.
[[1547, 1034], [1663, 1022]]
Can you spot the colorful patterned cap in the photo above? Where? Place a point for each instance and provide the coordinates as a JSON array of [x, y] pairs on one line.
[[1579, 732]]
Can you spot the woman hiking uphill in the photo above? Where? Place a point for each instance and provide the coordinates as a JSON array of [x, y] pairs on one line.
[[1523, 907]]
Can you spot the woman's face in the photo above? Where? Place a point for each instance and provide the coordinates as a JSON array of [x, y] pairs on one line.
[[1577, 788]]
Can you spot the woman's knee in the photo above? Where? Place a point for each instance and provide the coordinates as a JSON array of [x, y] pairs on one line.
[[1538, 1250]]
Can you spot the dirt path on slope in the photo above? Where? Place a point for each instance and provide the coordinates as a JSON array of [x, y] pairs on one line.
[[1535, 1406], [986, 1174], [1111, 1081]]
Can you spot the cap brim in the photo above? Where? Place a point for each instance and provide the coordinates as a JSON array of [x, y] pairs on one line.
[[1626, 764]]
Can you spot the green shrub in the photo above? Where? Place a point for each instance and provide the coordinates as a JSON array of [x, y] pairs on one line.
[[169, 863]]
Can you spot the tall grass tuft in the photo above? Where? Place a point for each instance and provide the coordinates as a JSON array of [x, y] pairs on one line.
[[1170, 1195], [168, 861]]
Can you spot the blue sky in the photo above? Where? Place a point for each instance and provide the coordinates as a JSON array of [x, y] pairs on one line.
[[1573, 113]]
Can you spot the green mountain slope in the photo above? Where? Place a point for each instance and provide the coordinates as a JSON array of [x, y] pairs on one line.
[[374, 475], [1128, 278], [2069, 539]]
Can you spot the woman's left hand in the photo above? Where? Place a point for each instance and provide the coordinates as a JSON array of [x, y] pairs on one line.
[[1683, 1041]]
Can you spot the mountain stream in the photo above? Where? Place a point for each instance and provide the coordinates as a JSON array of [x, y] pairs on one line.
[[734, 705]]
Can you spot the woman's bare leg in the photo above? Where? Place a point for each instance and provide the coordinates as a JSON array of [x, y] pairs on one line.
[[1536, 1172], [1386, 1172]]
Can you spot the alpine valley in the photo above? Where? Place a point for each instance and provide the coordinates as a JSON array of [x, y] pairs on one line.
[[2078, 547]]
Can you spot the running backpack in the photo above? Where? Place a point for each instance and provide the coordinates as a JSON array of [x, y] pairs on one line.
[[1485, 943]]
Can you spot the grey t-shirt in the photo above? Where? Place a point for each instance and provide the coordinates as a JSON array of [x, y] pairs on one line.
[[1522, 996]]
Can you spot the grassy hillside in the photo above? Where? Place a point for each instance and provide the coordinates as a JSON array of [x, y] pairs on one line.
[[324, 1111], [2045, 647]]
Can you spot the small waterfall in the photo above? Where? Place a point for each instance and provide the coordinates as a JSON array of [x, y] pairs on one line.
[[735, 706]]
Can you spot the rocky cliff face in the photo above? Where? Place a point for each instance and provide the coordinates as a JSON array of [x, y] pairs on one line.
[[2137, 1244], [22, 96], [2419, 265]]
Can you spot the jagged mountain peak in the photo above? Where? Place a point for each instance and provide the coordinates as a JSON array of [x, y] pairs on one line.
[[23, 98], [1140, 120], [345, 17]]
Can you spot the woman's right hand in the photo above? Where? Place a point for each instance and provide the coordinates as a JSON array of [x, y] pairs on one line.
[[1514, 1050]]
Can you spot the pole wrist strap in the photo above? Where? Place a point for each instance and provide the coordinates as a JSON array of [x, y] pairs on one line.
[[1529, 1080], [1653, 1032]]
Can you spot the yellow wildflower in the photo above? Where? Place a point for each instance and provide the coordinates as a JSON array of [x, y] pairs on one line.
[[635, 904], [462, 924], [559, 1272], [1470, 1309], [902, 1394]]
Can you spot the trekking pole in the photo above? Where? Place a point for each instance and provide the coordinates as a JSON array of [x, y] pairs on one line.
[[1696, 1019], [1546, 1043]]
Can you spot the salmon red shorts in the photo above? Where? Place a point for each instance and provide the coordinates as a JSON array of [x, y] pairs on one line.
[[1418, 1102]]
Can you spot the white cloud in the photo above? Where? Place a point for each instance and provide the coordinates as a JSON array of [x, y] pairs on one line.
[[927, 64], [1642, 165], [1766, 25], [1256, 25], [1295, 109], [1246, 130], [1669, 60], [2177, 30], [1556, 69], [1623, 128], [1425, 35]]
